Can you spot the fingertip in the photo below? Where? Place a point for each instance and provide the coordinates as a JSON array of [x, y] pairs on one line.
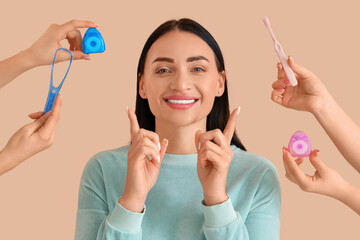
[[314, 156], [238, 110], [290, 59], [317, 152], [166, 142], [286, 153]]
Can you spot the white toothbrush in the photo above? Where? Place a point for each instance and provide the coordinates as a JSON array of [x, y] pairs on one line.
[[281, 54]]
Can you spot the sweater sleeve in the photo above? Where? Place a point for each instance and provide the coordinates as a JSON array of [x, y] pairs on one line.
[[262, 223], [94, 221]]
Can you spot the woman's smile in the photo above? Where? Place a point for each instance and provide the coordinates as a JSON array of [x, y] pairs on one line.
[[180, 101]]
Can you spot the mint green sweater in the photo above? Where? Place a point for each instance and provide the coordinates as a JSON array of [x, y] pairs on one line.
[[174, 207]]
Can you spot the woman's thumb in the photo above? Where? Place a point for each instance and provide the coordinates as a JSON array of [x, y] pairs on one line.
[[316, 162], [298, 69]]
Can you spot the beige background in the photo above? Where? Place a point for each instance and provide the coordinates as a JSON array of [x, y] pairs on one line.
[[38, 200]]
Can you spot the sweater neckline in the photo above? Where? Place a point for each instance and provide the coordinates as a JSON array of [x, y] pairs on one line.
[[183, 159]]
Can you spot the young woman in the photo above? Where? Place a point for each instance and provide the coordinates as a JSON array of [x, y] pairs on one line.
[[197, 183]]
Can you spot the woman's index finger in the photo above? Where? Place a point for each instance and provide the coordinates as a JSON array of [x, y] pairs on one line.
[[230, 126]]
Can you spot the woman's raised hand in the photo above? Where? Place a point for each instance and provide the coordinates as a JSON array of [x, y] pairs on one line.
[[309, 95], [43, 50], [214, 157], [142, 172]]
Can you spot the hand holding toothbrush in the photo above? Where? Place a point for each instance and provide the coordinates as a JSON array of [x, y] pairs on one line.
[[309, 95]]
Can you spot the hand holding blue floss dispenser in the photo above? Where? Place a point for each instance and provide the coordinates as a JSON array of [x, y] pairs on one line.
[[93, 42], [54, 91]]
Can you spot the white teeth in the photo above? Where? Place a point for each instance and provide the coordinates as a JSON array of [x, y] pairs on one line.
[[180, 101]]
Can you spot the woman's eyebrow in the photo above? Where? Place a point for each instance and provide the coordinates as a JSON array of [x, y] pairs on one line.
[[196, 58], [190, 59], [163, 59]]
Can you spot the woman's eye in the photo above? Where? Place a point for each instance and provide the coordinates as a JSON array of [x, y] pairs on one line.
[[198, 69], [163, 70]]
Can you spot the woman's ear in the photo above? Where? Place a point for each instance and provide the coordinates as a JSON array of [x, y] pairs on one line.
[[220, 84], [141, 87]]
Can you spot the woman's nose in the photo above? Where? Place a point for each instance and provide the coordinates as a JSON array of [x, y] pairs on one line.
[[181, 82]]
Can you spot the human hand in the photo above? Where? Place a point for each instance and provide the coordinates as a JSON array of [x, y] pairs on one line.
[[142, 172], [326, 180], [309, 95], [31, 138], [43, 50], [214, 158]]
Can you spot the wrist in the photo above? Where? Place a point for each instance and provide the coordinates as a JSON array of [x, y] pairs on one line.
[[324, 107], [344, 193], [28, 59], [215, 199], [6, 162], [132, 204]]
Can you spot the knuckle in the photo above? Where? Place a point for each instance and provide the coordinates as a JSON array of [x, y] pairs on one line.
[[45, 138], [207, 153], [141, 132], [305, 187], [73, 21], [157, 137], [54, 26], [206, 145], [218, 131]]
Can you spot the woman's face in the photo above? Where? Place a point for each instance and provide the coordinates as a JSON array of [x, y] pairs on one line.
[[180, 79]]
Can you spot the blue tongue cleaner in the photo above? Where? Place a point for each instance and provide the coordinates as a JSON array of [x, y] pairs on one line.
[[93, 42]]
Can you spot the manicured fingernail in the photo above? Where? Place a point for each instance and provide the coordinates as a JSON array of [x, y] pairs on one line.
[[199, 146], [290, 57], [158, 158], [60, 96], [159, 146], [167, 141], [30, 114], [283, 150], [278, 65], [287, 81], [127, 111], [238, 111], [282, 90], [317, 152]]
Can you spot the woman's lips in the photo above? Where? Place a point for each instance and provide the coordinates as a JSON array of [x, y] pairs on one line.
[[180, 102]]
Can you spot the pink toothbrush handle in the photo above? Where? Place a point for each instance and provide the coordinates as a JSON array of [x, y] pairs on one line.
[[288, 70]]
